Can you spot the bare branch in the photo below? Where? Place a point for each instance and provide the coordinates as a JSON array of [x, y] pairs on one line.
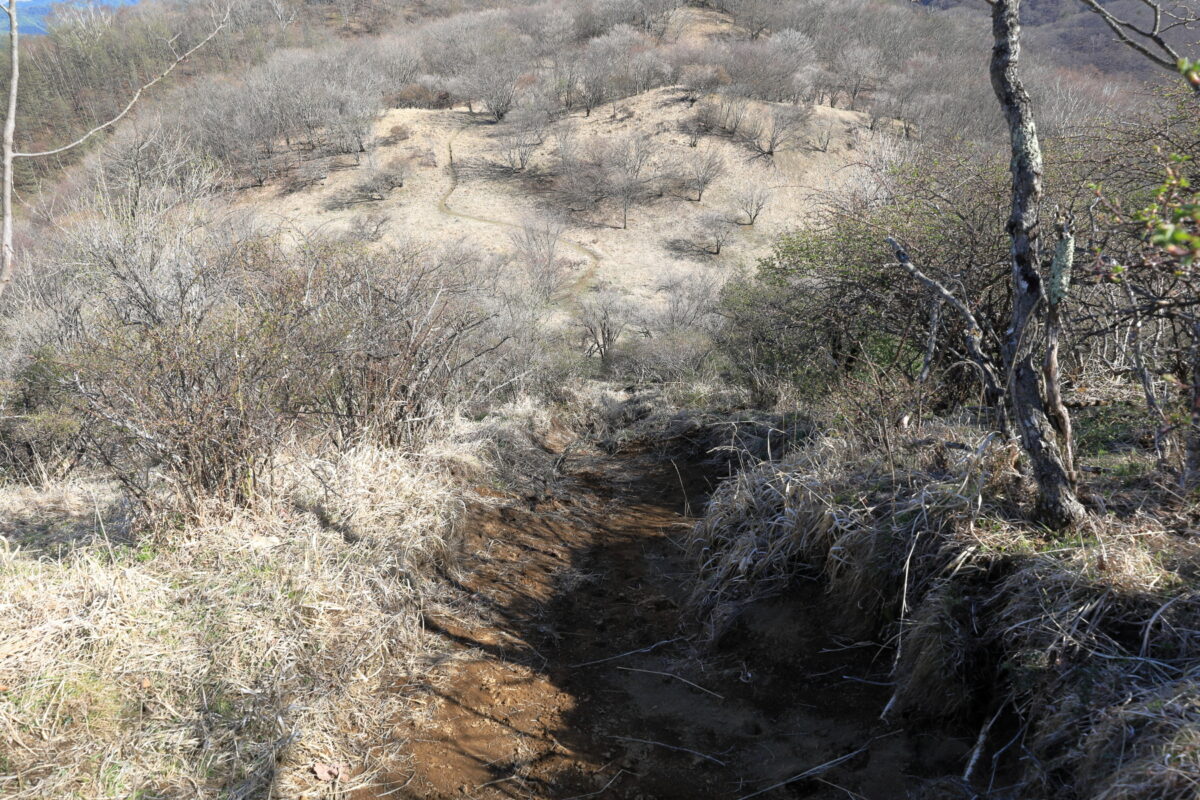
[[136, 95], [1159, 51], [974, 333]]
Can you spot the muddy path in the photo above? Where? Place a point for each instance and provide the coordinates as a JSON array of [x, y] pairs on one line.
[[575, 675]]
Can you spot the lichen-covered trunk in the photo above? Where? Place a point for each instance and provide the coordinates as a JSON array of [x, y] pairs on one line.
[[1058, 505], [1191, 473], [1060, 282]]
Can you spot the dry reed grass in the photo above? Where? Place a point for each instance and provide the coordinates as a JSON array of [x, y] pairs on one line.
[[223, 660], [1090, 645]]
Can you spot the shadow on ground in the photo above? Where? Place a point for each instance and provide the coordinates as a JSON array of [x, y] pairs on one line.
[[579, 676]]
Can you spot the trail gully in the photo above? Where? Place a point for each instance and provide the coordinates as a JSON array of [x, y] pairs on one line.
[[579, 677]]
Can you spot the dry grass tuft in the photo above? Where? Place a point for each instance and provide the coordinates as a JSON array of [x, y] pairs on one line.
[[830, 507], [1090, 644], [509, 446], [230, 657], [1146, 747]]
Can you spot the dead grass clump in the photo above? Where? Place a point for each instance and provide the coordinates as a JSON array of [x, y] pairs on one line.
[[510, 446], [763, 528], [1088, 647], [936, 667], [226, 660], [697, 420], [831, 508], [1102, 642], [1146, 747]]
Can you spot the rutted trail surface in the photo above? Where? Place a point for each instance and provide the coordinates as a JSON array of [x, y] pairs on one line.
[[575, 675]]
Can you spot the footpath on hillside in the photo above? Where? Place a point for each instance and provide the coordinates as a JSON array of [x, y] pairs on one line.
[[575, 673]]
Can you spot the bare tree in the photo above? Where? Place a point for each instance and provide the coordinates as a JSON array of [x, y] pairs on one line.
[[7, 255], [1058, 503], [699, 80], [755, 16], [594, 75], [774, 69], [654, 16], [493, 80], [710, 233], [630, 175], [732, 113], [536, 252], [781, 130], [602, 317], [858, 68], [752, 199], [701, 169]]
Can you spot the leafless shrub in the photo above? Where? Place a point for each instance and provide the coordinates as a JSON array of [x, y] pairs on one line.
[[397, 134], [516, 145], [380, 182], [688, 299], [823, 137], [536, 248], [374, 187], [602, 316], [751, 200], [307, 175], [780, 130], [213, 345], [41, 440], [707, 118], [417, 95], [369, 227], [702, 169]]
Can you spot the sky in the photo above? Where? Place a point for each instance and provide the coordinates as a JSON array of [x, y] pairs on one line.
[[32, 13]]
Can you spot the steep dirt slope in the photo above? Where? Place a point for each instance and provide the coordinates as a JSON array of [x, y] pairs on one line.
[[576, 678]]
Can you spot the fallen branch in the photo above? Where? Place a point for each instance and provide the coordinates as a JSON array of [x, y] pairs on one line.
[[810, 773], [977, 751], [630, 653], [676, 677], [666, 746], [601, 790], [179, 59]]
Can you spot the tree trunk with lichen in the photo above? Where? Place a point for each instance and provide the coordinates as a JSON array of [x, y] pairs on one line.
[[1060, 282], [1057, 504]]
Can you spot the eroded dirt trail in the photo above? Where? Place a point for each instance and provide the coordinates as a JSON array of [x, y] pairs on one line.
[[547, 696]]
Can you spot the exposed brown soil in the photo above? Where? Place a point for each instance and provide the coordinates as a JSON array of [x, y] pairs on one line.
[[539, 701]]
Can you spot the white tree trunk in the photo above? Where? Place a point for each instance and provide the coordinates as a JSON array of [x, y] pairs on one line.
[[10, 129]]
